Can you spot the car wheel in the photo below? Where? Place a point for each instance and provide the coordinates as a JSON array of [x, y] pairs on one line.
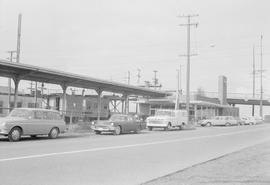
[[169, 126], [117, 130], [150, 128], [15, 134], [54, 133], [97, 132], [227, 124], [209, 124]]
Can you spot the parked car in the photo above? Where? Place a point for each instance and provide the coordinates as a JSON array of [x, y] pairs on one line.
[[33, 122], [240, 121], [118, 124], [253, 120], [167, 119], [220, 121]]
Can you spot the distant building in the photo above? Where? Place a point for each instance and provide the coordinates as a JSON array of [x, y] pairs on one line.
[[79, 107], [201, 106], [24, 100]]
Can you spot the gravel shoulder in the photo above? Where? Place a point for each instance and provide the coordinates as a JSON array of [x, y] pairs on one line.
[[248, 166]]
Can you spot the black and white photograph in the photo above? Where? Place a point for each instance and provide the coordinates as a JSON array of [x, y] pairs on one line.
[[134, 92]]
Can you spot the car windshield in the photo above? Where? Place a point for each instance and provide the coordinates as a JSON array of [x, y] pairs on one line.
[[20, 113], [118, 118], [164, 113]]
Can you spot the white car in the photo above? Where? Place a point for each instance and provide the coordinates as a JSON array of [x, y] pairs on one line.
[[219, 121], [253, 120]]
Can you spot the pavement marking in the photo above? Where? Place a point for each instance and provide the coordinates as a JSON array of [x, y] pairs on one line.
[[126, 146]]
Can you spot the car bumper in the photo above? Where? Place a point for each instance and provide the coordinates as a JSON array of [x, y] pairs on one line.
[[103, 129], [4, 131], [159, 125]]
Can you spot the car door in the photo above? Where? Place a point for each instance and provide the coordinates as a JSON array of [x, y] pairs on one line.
[[216, 120], [47, 122], [28, 125], [131, 124], [123, 123], [33, 124]]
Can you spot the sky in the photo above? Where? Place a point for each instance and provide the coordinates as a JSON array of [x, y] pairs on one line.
[[106, 39]]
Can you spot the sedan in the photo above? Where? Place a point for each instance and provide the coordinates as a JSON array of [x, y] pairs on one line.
[[118, 124]]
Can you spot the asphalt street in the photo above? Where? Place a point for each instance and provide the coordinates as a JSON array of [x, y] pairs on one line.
[[124, 159]]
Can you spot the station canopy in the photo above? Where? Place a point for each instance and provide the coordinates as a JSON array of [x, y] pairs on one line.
[[40, 74]]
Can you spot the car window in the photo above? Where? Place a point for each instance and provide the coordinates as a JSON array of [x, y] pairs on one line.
[[116, 117], [38, 114], [20, 113], [129, 118], [45, 115], [53, 116]]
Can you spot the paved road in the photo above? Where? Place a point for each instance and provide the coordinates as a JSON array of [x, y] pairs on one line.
[[124, 159]]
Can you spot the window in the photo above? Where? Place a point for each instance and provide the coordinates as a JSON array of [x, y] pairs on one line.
[[31, 105], [53, 116], [45, 115], [19, 104], [129, 118], [38, 115]]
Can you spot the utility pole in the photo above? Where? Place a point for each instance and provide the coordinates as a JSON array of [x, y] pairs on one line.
[[188, 55], [155, 79], [138, 76], [180, 79], [253, 77], [19, 38], [128, 78], [177, 91], [9, 81], [261, 98]]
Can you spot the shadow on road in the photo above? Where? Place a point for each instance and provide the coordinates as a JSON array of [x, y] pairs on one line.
[[44, 138]]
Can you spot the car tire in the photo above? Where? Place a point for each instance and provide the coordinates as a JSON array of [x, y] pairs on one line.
[[54, 133], [117, 130], [169, 126], [208, 124], [227, 124], [15, 134], [150, 128], [97, 132]]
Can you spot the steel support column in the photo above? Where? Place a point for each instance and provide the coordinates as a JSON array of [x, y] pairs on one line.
[[64, 100], [195, 113], [201, 112], [126, 104], [99, 93], [16, 81]]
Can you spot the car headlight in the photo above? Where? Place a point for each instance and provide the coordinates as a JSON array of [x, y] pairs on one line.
[[92, 122], [3, 124], [112, 124]]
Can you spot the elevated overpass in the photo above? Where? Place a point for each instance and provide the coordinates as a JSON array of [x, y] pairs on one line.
[[242, 98]]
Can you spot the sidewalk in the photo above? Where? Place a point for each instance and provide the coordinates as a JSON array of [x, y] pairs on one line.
[[248, 166]]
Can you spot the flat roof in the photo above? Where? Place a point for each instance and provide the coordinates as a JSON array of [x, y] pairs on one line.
[[40, 74]]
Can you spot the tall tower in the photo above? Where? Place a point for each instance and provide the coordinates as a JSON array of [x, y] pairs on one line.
[[222, 90]]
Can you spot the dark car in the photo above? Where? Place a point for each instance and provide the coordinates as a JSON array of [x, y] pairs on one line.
[[119, 123]]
